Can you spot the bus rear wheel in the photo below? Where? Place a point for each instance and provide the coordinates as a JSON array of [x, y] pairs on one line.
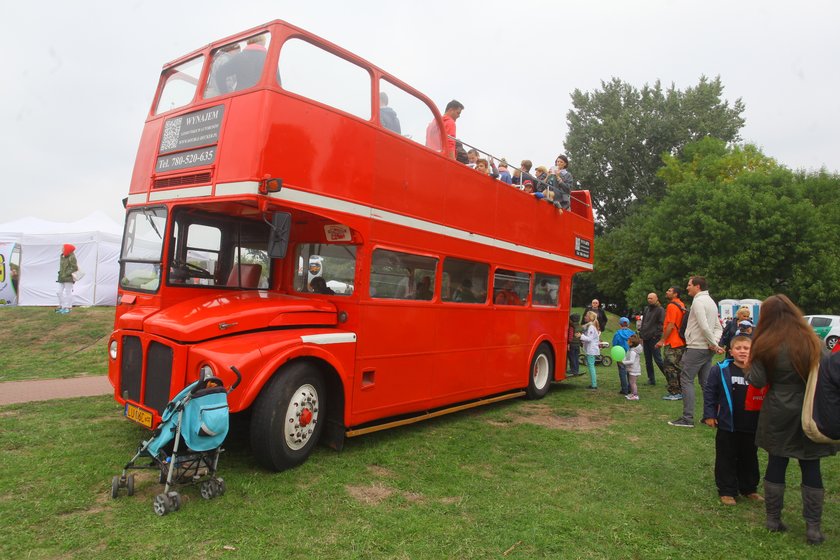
[[288, 417], [541, 373]]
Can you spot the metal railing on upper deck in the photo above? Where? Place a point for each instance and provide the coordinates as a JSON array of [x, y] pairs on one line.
[[532, 177]]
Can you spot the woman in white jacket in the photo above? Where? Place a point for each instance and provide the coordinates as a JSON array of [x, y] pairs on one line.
[[591, 338]]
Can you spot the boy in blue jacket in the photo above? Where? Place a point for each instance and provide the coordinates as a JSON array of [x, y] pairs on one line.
[[620, 339], [736, 456]]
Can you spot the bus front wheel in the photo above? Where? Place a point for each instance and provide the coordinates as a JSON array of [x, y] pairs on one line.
[[541, 374], [288, 417]]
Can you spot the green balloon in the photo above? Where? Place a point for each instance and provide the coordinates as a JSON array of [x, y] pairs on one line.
[[617, 353]]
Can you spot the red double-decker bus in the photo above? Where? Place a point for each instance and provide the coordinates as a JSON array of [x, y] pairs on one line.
[[286, 217]]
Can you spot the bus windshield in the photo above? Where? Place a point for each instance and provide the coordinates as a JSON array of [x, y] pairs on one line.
[[142, 249]]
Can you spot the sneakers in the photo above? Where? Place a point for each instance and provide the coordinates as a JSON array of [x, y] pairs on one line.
[[755, 496], [726, 500], [632, 397], [681, 423], [670, 397]]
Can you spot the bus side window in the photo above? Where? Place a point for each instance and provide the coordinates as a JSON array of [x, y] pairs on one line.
[[545, 291], [402, 113], [510, 287], [396, 275], [468, 280]]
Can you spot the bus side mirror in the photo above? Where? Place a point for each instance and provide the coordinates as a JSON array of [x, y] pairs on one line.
[[278, 238]]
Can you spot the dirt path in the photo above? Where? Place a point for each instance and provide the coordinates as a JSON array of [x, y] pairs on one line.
[[12, 392]]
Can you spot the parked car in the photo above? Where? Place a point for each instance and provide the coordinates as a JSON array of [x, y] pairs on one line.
[[832, 337], [827, 328]]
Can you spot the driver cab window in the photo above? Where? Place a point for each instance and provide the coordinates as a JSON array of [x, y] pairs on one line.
[[197, 256], [212, 250]]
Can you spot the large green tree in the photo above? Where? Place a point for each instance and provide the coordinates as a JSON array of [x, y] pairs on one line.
[[750, 226], [618, 134]]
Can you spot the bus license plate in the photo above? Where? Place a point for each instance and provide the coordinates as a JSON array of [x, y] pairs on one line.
[[138, 415]]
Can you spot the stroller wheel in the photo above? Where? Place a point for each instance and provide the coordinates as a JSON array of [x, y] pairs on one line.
[[208, 489], [220, 486], [129, 484], [115, 487], [162, 504], [175, 500]]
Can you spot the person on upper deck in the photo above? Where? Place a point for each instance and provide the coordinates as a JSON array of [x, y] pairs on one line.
[[523, 173], [387, 116], [244, 69], [450, 115], [504, 174], [560, 182]]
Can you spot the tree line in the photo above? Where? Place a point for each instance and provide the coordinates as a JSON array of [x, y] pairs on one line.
[[676, 194]]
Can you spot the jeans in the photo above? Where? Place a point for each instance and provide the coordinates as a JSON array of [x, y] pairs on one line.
[[622, 378], [573, 356], [590, 363], [695, 362], [649, 346], [65, 295]]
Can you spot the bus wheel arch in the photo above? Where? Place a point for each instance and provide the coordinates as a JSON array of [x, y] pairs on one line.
[[541, 372], [292, 411]]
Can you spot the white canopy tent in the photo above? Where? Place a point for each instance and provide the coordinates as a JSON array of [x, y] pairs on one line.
[[97, 241]]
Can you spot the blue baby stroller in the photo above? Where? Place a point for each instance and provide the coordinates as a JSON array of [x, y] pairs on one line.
[[196, 418]]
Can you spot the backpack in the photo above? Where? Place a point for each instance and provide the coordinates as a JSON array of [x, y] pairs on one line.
[[683, 322], [821, 406]]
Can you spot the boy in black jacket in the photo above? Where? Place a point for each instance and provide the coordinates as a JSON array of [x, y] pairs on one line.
[[736, 456]]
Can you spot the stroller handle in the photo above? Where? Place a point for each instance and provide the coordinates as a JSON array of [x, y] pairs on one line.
[[238, 379]]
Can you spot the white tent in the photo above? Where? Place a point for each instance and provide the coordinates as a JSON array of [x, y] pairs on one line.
[[97, 240]]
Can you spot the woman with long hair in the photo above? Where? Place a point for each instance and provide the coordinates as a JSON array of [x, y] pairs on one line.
[[784, 352], [591, 337]]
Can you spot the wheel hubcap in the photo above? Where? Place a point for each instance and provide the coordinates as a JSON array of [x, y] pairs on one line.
[[541, 371], [301, 417]]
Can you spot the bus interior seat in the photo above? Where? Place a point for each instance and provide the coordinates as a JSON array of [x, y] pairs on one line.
[[250, 277]]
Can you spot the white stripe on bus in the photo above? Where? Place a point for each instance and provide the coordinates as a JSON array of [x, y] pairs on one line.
[[330, 203], [188, 192], [329, 338]]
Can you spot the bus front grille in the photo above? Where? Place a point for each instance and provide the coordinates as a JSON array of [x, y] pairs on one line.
[[158, 370]]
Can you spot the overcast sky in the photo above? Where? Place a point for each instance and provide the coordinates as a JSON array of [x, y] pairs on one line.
[[79, 76]]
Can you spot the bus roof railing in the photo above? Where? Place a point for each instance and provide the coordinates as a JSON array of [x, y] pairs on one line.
[[493, 158]]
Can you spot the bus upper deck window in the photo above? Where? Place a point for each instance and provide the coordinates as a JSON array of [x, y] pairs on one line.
[[237, 66], [179, 85], [320, 75]]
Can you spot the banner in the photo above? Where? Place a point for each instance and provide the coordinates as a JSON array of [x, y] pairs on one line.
[[9, 273]]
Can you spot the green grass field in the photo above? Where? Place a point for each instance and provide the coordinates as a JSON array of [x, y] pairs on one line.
[[579, 474], [38, 343]]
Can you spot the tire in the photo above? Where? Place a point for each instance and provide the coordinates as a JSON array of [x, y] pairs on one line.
[[161, 504], [129, 484], [830, 342], [288, 417], [606, 361], [115, 487], [208, 489], [541, 373], [174, 501]]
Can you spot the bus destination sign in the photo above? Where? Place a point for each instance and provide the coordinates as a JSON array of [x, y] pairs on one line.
[[583, 248], [200, 128]]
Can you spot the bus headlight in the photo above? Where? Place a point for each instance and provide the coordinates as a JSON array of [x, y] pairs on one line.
[[206, 371], [112, 349]]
